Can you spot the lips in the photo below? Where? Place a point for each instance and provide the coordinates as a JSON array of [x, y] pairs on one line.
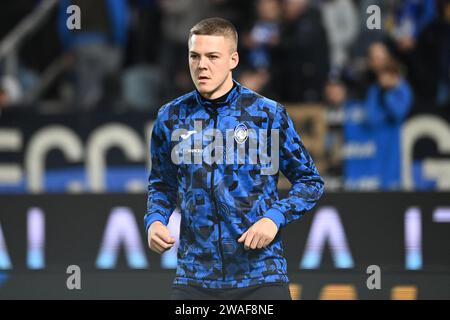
[[203, 78]]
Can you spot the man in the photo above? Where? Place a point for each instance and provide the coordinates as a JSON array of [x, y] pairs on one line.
[[386, 107], [209, 153]]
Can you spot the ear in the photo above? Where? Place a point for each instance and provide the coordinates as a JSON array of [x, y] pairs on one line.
[[234, 60]]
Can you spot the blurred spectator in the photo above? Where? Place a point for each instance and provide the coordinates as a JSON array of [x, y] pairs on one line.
[[254, 79], [387, 105], [264, 34], [378, 57], [430, 67], [97, 48], [362, 75], [411, 19], [356, 67], [373, 132], [335, 100], [341, 22], [257, 45], [302, 57]]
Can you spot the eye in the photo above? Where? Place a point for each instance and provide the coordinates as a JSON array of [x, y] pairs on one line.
[[213, 57], [193, 56]]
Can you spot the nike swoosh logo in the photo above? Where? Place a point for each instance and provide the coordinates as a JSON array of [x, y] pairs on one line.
[[188, 134]]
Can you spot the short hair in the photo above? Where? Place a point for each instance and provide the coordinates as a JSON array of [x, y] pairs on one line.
[[216, 27]]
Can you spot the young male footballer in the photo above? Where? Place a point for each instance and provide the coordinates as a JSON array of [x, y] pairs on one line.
[[216, 153]]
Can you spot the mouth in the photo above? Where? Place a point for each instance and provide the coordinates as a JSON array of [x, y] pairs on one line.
[[203, 79]]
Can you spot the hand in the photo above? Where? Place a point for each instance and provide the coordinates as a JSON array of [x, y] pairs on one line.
[[388, 81], [260, 234], [406, 43], [159, 239]]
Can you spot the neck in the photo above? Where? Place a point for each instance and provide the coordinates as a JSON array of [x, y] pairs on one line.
[[221, 99]]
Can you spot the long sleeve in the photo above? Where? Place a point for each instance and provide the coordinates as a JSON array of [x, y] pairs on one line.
[[398, 101], [162, 182], [393, 105], [297, 165]]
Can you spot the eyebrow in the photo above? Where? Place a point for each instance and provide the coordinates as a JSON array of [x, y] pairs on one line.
[[208, 53]]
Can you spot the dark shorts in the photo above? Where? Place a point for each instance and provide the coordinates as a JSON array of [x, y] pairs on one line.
[[270, 291]]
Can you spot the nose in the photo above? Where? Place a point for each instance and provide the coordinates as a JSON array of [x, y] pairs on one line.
[[202, 63]]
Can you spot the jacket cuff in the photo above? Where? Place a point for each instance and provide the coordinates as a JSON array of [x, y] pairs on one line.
[[152, 218], [276, 216]]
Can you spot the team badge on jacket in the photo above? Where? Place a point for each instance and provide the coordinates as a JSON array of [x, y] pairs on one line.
[[240, 133]]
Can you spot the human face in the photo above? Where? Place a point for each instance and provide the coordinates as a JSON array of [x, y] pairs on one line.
[[211, 60], [378, 56], [294, 8], [335, 93], [269, 10], [388, 80]]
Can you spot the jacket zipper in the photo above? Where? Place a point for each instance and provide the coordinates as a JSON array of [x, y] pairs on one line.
[[214, 112]]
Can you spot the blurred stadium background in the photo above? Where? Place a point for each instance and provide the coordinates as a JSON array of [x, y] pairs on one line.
[[371, 105]]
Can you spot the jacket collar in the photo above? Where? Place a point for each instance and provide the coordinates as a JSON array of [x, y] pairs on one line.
[[228, 102]]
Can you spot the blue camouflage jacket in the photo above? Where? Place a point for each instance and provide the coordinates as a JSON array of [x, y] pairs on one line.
[[219, 162]]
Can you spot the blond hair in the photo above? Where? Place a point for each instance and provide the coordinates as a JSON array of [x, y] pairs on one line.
[[216, 27]]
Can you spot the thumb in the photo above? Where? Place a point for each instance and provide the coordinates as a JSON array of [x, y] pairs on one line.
[[242, 238]]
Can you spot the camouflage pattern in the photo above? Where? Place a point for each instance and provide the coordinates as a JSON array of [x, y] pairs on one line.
[[219, 202]]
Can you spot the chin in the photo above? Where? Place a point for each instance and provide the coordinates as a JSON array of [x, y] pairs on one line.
[[204, 89]]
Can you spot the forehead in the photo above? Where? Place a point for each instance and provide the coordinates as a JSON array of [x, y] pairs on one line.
[[207, 43], [377, 48]]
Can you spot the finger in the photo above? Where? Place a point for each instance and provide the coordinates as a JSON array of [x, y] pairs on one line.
[[242, 238], [248, 241], [172, 240], [261, 242], [162, 244], [267, 242], [160, 249], [156, 247], [165, 236], [255, 241], [149, 238]]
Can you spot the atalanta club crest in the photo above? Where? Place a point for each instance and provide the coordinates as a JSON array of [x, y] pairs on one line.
[[240, 133]]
